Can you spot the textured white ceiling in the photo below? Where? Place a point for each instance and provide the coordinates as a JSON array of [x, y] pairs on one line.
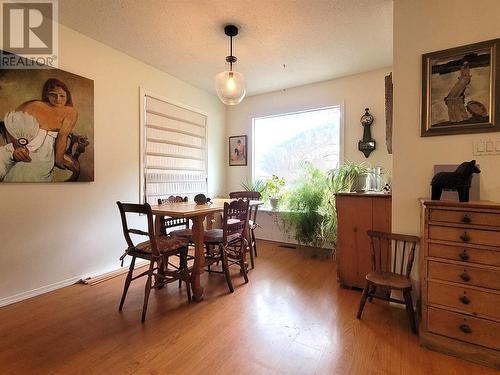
[[282, 43]]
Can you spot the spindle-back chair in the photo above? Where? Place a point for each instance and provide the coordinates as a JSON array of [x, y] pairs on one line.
[[155, 249], [252, 222], [399, 252], [167, 223], [229, 244]]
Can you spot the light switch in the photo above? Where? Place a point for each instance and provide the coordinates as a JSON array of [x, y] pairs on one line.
[[490, 146], [480, 146]]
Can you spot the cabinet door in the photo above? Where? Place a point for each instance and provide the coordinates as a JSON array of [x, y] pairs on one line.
[[354, 220]]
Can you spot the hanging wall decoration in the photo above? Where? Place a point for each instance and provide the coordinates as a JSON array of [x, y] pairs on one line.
[[388, 112], [459, 90], [367, 144], [46, 126], [238, 150]]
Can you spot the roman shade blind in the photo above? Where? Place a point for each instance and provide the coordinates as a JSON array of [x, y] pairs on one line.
[[174, 153]]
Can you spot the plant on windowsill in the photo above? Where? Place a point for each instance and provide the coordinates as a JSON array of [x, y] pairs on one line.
[[254, 185], [343, 178], [311, 204], [274, 191], [307, 208], [346, 176]]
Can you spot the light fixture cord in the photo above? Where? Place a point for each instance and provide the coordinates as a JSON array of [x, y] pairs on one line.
[[231, 54]]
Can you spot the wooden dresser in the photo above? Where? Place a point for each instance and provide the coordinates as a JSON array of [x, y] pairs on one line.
[[357, 213], [460, 279]]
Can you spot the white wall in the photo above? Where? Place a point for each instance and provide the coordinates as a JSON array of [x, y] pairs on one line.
[[55, 232], [355, 92], [420, 27]]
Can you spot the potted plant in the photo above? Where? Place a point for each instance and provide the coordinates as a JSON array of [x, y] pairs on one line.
[[274, 190], [254, 185], [346, 176], [308, 208]]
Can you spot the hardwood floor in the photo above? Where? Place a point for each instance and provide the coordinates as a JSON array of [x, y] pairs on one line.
[[292, 318]]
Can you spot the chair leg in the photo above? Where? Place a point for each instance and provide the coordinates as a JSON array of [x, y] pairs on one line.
[[243, 268], [252, 263], [254, 243], [127, 283], [147, 290], [409, 310], [225, 267], [185, 272], [182, 262], [371, 293], [364, 296]]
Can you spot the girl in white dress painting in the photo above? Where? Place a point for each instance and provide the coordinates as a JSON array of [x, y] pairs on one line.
[[38, 131]]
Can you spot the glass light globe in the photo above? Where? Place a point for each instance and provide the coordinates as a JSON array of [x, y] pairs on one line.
[[230, 87]]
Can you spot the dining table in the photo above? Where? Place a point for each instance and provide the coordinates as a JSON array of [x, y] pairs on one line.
[[197, 213]]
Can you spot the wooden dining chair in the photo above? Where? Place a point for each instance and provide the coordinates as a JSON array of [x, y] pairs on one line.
[[390, 274], [168, 223], [155, 249], [228, 245], [252, 223]]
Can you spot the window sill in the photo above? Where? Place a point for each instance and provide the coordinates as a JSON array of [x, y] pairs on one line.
[[270, 210]]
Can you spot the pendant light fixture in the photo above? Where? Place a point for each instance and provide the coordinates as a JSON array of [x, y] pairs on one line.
[[230, 85]]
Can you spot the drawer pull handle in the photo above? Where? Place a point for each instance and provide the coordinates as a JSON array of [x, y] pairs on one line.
[[465, 276], [465, 237], [466, 219], [464, 300], [465, 328], [463, 255]]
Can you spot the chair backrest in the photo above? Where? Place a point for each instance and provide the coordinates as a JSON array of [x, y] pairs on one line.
[[235, 218], [171, 222], [391, 252], [248, 195], [144, 209], [173, 199]]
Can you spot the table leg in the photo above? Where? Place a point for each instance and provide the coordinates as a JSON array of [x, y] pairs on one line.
[[199, 258]]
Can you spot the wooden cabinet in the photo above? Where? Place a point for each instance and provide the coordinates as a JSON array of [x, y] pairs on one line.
[[460, 279], [356, 214]]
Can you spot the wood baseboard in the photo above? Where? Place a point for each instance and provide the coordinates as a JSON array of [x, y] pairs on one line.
[[36, 292], [457, 348], [93, 280]]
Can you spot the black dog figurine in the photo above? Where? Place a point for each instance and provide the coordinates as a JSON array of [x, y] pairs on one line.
[[460, 180]]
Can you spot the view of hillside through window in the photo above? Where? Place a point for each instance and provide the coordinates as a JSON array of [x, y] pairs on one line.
[[282, 144]]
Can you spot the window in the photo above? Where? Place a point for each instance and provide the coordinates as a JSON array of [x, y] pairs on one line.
[[283, 143], [173, 149]]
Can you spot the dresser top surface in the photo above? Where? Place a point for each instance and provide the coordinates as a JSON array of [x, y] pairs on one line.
[[465, 205]]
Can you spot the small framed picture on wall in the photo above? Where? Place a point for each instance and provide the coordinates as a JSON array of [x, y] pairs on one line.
[[238, 150]]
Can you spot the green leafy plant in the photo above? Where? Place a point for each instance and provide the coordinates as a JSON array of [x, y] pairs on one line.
[[254, 185], [311, 203], [306, 207], [275, 187], [340, 179], [346, 175], [274, 191]]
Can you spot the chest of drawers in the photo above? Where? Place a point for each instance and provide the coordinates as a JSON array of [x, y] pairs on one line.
[[460, 279]]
